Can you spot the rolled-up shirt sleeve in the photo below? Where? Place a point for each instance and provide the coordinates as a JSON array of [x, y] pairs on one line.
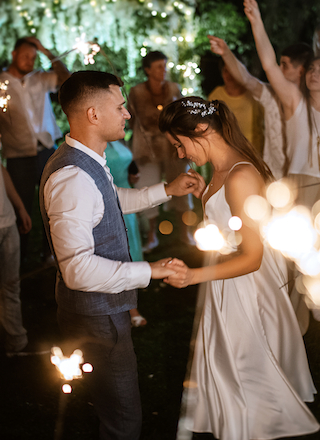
[[135, 200], [74, 206]]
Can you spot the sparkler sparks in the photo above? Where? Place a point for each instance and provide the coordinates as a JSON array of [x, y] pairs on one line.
[[4, 97], [69, 368], [292, 230], [87, 48]]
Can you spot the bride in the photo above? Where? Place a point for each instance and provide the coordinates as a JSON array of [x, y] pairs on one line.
[[249, 363]]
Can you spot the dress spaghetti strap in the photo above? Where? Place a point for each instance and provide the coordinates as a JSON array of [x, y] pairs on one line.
[[241, 163]]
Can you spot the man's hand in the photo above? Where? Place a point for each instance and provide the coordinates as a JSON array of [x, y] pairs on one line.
[[183, 276], [217, 45], [37, 43], [186, 183], [160, 269]]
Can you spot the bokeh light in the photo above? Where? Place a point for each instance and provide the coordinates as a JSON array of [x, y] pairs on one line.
[[166, 227], [189, 218]]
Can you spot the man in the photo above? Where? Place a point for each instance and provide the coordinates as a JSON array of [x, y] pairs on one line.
[[151, 150], [292, 62], [28, 128], [247, 110], [15, 334], [83, 218]]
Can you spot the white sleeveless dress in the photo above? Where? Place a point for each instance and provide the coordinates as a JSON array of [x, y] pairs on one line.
[[249, 374]]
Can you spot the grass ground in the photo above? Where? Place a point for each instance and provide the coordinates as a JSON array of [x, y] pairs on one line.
[[31, 401]]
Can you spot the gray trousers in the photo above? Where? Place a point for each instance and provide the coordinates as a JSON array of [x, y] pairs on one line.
[[10, 305], [106, 344]]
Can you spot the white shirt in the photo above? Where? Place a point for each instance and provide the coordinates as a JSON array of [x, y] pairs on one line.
[[75, 206], [274, 135], [29, 117], [298, 141], [7, 214]]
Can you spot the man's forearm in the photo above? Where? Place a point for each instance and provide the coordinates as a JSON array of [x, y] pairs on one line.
[[59, 68]]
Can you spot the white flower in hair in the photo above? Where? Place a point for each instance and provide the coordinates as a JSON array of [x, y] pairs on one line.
[[201, 108]]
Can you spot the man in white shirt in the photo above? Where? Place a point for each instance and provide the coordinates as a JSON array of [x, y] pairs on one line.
[[28, 128], [82, 213]]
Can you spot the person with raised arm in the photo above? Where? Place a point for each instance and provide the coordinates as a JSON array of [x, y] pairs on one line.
[[292, 63], [301, 109]]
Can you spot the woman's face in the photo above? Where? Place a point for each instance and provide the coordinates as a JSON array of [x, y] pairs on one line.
[[313, 76], [189, 149]]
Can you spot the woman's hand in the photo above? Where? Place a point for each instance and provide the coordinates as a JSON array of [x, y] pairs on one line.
[[183, 276], [201, 186], [251, 9]]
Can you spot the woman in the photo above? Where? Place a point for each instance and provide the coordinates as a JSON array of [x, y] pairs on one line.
[[302, 121], [247, 385], [119, 158]]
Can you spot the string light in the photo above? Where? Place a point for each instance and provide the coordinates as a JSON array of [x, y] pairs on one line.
[[4, 97]]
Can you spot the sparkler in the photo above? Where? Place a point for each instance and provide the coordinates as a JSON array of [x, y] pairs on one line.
[[4, 97], [69, 369], [292, 230]]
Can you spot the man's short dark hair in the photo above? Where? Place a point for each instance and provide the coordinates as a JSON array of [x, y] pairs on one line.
[[151, 57], [300, 54], [82, 84], [23, 40]]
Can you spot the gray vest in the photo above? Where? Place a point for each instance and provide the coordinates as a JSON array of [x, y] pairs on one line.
[[110, 238]]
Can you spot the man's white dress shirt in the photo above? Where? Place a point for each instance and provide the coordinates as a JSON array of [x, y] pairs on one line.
[[75, 206]]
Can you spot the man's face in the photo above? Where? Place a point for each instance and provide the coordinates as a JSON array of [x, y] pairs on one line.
[[157, 71], [112, 114], [23, 58], [291, 73]]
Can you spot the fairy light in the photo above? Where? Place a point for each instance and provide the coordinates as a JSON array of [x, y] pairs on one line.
[[4, 97]]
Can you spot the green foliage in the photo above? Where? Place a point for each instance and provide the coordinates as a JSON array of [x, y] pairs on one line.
[[222, 20]]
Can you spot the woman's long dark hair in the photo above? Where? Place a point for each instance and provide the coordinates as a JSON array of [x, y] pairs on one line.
[[181, 117], [306, 93]]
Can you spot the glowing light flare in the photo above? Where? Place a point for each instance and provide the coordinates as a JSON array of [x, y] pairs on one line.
[[87, 48], [256, 207], [291, 233], [209, 238], [66, 388], [235, 223], [87, 368], [309, 263], [69, 368], [279, 195]]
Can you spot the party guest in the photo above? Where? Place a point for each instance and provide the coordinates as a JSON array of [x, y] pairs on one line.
[[28, 128], [151, 150], [11, 319]]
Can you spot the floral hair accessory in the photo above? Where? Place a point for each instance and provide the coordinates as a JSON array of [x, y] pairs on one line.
[[200, 108]]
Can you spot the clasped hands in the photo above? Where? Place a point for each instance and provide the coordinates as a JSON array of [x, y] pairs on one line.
[[173, 271], [186, 183]]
